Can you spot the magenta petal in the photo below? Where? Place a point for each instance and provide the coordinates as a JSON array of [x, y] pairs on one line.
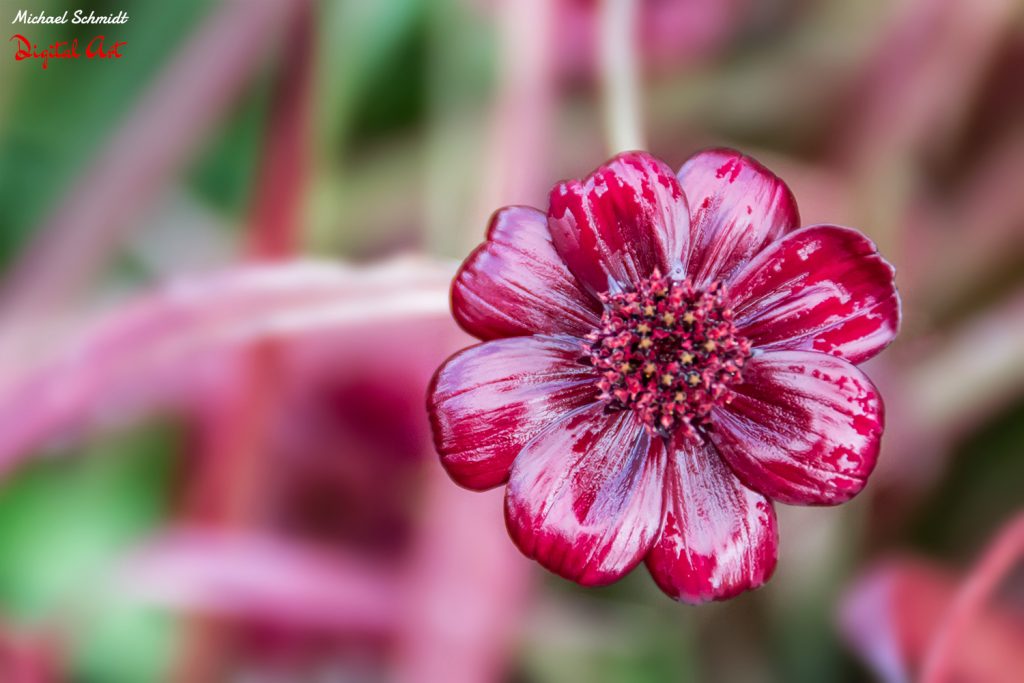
[[487, 401], [823, 288], [515, 283], [802, 428], [719, 538], [737, 206], [620, 223], [585, 497]]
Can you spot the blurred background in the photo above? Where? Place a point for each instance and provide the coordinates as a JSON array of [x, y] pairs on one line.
[[225, 260]]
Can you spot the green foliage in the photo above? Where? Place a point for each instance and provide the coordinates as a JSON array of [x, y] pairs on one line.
[[980, 490], [63, 520], [224, 174], [64, 115]]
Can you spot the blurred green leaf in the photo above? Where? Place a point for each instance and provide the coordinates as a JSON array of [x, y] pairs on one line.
[[62, 521], [225, 173], [624, 633], [369, 63]]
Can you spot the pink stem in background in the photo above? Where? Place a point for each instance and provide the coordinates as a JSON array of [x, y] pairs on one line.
[[155, 141], [228, 482], [466, 588], [275, 234], [232, 480], [467, 584], [1003, 554], [523, 108], [280, 192], [620, 73]]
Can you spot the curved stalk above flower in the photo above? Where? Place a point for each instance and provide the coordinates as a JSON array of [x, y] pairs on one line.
[[665, 355]]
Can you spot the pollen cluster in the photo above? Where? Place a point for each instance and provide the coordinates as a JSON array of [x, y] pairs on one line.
[[668, 351]]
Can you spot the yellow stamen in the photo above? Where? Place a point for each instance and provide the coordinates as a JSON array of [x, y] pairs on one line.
[[648, 310], [645, 343], [689, 318], [666, 379], [649, 369], [669, 318], [694, 380], [687, 357], [710, 345]]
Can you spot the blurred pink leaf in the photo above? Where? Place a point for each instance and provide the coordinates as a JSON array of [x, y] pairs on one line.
[[942, 661], [233, 574], [891, 615], [468, 590], [166, 349], [29, 655]]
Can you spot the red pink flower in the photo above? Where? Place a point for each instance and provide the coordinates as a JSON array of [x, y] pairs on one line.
[[664, 355]]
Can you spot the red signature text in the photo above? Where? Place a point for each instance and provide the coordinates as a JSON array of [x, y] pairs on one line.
[[94, 49]]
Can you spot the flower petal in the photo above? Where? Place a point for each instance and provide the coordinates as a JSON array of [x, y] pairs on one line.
[[802, 428], [823, 288], [585, 497], [719, 538], [487, 401], [620, 223], [737, 206], [515, 283]]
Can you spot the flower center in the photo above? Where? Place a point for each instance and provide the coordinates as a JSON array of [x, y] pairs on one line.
[[668, 351]]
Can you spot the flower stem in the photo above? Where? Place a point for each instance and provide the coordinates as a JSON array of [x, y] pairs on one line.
[[233, 474], [620, 75], [994, 566]]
